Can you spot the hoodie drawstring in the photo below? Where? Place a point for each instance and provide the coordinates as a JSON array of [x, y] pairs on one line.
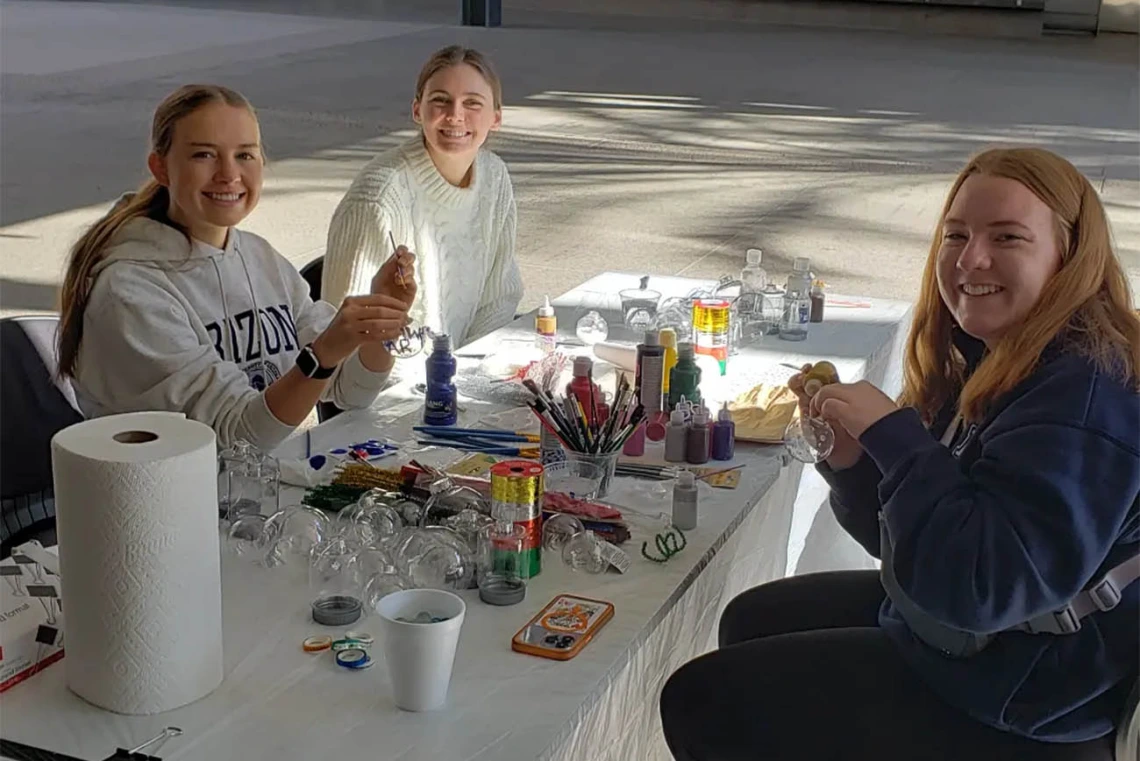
[[256, 308], [225, 310]]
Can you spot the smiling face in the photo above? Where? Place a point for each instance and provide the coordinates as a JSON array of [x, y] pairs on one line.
[[212, 170], [457, 111], [999, 248]]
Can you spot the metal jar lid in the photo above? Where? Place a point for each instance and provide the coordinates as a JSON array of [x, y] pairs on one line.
[[337, 610], [502, 592]]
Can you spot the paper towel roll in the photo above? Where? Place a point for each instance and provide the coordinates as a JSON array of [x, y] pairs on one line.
[[137, 510]]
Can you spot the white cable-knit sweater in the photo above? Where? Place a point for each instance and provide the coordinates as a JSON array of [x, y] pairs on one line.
[[464, 239]]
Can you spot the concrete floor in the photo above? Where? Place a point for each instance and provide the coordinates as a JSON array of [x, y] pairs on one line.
[[666, 149]]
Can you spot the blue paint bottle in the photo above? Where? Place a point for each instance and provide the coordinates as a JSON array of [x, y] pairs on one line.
[[439, 404]]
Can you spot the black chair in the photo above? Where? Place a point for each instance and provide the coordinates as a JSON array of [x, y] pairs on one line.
[[36, 405], [312, 272]]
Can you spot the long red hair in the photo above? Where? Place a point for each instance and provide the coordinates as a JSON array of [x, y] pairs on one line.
[[1090, 295]]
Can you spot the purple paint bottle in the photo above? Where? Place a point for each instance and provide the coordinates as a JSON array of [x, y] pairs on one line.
[[723, 435]]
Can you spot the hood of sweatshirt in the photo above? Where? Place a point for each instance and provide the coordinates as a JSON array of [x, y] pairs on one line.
[[156, 244]]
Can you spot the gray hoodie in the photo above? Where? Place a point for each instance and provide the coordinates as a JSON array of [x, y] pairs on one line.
[[174, 324]]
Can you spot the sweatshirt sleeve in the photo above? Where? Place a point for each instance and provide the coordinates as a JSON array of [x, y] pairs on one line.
[[503, 288], [854, 500], [357, 246], [353, 386], [140, 352], [1020, 531]]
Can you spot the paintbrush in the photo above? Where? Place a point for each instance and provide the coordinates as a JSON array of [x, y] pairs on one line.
[[399, 268]]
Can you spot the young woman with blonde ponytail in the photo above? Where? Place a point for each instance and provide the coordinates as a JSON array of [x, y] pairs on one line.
[[166, 305], [1002, 495]]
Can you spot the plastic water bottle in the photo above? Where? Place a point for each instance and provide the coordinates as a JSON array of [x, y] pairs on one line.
[[797, 301], [753, 278]]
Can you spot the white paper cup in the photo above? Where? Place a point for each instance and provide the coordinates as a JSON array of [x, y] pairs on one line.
[[420, 656]]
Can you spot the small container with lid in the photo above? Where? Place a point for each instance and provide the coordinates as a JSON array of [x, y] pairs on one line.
[[685, 501], [546, 327], [499, 563], [723, 435], [675, 436], [697, 442]]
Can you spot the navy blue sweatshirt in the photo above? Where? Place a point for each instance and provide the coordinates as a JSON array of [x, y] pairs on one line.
[[1013, 519]]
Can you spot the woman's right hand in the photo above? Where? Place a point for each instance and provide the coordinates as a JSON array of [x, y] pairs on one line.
[[361, 319], [847, 450]]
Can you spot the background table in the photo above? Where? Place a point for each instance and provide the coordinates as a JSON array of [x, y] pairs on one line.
[[280, 703]]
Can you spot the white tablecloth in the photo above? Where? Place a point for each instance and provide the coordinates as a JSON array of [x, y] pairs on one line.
[[279, 703]]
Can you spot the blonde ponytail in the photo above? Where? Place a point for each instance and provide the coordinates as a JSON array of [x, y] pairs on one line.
[[150, 201]]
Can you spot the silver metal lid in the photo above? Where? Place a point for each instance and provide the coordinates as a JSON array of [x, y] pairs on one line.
[[502, 592], [337, 610]]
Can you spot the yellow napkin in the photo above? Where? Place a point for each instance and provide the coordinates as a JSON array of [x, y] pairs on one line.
[[762, 413]]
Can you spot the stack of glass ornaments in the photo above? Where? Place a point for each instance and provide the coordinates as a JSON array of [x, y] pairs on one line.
[[382, 543]]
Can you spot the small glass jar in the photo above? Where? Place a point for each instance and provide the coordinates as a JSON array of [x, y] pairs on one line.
[[239, 482], [500, 563]]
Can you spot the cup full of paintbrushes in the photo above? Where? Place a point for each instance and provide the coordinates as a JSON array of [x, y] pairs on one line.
[[584, 437]]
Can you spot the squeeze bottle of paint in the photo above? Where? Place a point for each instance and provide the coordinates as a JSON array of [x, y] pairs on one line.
[[650, 372], [668, 338], [685, 377], [546, 327], [635, 445], [439, 401], [675, 435], [685, 501], [580, 387], [817, 301], [697, 441], [723, 435]]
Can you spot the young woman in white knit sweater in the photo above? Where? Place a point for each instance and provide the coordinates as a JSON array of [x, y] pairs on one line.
[[444, 197]]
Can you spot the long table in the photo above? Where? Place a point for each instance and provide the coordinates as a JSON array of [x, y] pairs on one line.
[[278, 702]]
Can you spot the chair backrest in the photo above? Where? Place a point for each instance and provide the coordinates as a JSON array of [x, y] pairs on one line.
[[312, 273], [36, 403]]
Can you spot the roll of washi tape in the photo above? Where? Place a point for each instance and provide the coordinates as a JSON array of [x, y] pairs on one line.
[[349, 643], [516, 496], [363, 638], [317, 644], [353, 658]]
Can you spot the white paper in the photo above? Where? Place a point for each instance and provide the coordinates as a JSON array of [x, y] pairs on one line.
[[136, 502]]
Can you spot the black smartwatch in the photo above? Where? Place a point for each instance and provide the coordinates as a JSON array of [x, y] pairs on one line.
[[310, 366]]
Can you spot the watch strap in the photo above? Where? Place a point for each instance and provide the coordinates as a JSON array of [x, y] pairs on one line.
[[308, 364]]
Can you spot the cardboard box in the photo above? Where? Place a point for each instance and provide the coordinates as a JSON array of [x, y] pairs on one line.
[[31, 619]]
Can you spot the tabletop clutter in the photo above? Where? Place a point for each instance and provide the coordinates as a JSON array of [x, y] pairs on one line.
[[381, 532]]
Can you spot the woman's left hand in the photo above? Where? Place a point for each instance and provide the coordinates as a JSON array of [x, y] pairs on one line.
[[397, 277], [855, 406]]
